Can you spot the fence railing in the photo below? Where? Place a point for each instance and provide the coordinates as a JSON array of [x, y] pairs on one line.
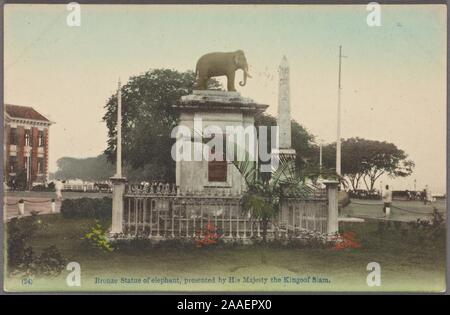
[[158, 212], [87, 187], [304, 214]]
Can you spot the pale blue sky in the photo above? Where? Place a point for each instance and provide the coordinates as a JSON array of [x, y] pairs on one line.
[[394, 78]]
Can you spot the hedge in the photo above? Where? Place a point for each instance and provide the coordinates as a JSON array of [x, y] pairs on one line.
[[87, 208]]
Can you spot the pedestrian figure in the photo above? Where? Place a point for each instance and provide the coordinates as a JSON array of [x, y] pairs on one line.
[[428, 196], [387, 200], [59, 185], [424, 196], [417, 195], [13, 184]]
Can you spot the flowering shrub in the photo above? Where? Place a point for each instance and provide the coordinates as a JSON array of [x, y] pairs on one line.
[[97, 238], [346, 240], [22, 258], [86, 208], [210, 236]]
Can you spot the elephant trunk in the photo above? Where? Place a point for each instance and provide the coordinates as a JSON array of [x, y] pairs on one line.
[[246, 74]]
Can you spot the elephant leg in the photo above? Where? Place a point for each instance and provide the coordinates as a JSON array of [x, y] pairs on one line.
[[205, 83], [201, 83], [197, 83], [230, 81]]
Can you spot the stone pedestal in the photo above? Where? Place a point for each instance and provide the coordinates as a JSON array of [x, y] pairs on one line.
[[21, 207], [117, 204], [53, 206], [332, 193], [280, 155], [217, 112]]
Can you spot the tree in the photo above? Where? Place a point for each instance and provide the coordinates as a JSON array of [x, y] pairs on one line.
[[92, 168], [99, 168], [384, 158], [148, 119], [21, 180], [352, 160], [302, 142], [367, 160]]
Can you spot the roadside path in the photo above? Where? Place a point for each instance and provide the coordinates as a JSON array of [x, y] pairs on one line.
[[39, 201], [400, 210], [40, 205]]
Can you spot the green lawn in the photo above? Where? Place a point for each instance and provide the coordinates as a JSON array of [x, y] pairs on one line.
[[408, 263]]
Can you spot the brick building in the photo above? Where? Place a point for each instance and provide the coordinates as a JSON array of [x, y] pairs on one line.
[[26, 135]]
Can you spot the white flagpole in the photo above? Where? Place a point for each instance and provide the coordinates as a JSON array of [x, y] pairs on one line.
[[338, 136], [119, 132]]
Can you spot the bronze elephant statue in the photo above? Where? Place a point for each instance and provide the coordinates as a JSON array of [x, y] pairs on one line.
[[221, 64]]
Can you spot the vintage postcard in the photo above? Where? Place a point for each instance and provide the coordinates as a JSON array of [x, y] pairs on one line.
[[224, 148]]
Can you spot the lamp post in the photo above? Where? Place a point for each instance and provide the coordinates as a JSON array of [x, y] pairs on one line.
[[118, 181], [119, 132], [320, 155]]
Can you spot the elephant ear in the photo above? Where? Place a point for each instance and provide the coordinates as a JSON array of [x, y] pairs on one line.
[[236, 59]]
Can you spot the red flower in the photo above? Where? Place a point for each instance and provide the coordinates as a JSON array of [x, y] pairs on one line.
[[348, 240], [210, 236]]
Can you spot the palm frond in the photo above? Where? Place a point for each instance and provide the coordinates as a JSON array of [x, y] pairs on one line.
[[248, 170], [286, 171]]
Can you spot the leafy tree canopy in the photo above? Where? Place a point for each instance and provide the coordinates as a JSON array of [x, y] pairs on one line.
[[302, 141], [367, 160], [89, 169], [148, 119]]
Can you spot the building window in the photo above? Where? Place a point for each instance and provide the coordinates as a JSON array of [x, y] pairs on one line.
[[12, 164], [41, 138], [40, 166], [27, 137], [217, 169], [13, 136]]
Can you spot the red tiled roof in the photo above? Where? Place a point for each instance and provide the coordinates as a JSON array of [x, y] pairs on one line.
[[25, 112]]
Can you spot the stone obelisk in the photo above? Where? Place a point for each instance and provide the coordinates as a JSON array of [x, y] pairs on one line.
[[284, 111]]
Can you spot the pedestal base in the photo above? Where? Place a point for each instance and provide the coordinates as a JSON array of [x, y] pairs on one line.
[[286, 153], [225, 113], [278, 156], [218, 101], [117, 204]]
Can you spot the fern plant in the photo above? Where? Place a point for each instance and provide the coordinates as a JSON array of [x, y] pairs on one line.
[[97, 237]]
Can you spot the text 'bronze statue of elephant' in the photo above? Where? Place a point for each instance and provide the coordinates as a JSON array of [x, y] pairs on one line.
[[221, 64]]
